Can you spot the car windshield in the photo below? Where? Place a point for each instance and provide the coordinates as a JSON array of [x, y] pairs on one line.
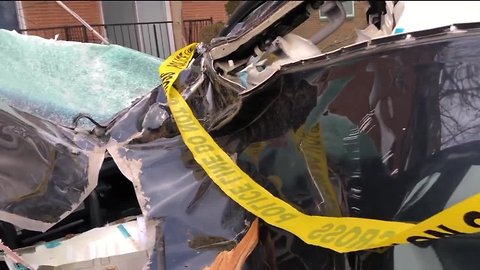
[[57, 80]]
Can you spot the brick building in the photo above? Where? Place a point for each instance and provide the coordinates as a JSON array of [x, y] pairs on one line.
[[153, 27], [41, 14], [45, 14], [199, 9]]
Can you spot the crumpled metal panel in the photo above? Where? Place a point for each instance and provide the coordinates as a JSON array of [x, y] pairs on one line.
[[46, 170], [385, 111], [398, 118]]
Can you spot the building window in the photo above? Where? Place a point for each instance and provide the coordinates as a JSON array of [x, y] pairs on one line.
[[349, 9], [8, 15]]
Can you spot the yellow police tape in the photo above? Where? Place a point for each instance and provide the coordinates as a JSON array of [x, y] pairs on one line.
[[342, 234]]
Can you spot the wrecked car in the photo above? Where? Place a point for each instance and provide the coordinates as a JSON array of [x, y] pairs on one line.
[[384, 129]]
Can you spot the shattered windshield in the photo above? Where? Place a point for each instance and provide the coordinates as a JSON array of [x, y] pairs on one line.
[[57, 80]]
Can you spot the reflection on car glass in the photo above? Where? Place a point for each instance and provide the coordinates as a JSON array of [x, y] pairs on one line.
[[469, 186], [419, 190]]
